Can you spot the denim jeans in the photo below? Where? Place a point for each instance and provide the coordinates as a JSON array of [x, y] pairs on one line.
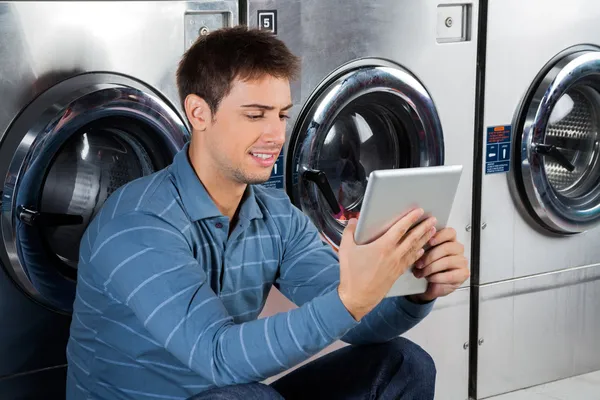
[[398, 369]]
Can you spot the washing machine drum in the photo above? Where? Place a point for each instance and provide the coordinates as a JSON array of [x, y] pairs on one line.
[[86, 170], [368, 115], [62, 157], [557, 167]]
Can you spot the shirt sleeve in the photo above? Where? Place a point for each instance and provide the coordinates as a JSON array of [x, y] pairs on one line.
[[310, 268], [147, 265]]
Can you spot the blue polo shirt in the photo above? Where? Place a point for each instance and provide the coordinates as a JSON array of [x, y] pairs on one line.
[[167, 301]]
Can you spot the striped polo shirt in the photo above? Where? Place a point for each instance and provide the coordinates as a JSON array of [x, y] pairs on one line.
[[167, 300]]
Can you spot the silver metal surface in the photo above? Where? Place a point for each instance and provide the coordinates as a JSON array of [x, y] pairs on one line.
[[453, 22], [327, 35], [136, 46], [538, 329], [515, 244], [443, 335]]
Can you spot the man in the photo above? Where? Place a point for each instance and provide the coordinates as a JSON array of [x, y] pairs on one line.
[[176, 267]]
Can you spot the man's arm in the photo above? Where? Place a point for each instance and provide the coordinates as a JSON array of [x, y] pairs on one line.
[[147, 265], [310, 268]]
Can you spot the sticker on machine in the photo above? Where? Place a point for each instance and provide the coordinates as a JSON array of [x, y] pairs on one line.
[[276, 179], [498, 148]]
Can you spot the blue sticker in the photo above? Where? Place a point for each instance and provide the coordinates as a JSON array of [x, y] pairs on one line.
[[498, 149], [276, 179]]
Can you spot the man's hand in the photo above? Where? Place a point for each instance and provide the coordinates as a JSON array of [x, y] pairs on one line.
[[367, 272], [444, 266]]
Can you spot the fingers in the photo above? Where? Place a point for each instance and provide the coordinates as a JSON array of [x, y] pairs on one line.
[[444, 235], [440, 251], [348, 234], [418, 237], [448, 263], [399, 229], [453, 277], [435, 290]]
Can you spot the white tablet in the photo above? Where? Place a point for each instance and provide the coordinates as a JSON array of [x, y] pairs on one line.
[[392, 193]]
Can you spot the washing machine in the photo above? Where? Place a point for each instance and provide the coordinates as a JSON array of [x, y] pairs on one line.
[[89, 103], [539, 277], [385, 84]]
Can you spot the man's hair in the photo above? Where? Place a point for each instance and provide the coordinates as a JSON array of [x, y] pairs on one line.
[[210, 66]]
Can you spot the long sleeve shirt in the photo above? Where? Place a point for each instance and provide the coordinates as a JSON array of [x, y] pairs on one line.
[[168, 295]]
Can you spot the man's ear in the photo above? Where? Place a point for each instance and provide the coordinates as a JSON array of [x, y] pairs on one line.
[[198, 112]]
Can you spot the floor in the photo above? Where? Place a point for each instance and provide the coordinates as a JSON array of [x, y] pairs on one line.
[[583, 387]]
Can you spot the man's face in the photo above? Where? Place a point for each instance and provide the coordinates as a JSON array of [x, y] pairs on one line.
[[247, 133]]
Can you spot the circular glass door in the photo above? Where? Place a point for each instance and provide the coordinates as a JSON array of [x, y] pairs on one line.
[[558, 136], [87, 143], [369, 115]]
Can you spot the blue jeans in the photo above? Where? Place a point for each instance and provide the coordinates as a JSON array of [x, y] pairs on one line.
[[398, 369]]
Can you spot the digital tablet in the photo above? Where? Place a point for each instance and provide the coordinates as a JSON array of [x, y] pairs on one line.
[[393, 193]]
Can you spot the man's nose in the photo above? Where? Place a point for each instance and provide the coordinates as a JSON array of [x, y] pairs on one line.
[[275, 132]]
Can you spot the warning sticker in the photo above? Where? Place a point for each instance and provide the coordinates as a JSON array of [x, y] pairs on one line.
[[497, 155], [276, 179]]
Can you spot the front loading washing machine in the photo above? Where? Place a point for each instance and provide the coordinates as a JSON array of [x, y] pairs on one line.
[[539, 278], [386, 84], [89, 103]]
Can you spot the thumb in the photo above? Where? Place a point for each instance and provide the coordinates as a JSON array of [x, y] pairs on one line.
[[348, 235]]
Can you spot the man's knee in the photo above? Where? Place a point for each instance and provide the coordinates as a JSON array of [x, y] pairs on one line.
[[415, 360]]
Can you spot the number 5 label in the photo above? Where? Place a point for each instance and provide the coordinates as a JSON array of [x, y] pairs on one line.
[[267, 20]]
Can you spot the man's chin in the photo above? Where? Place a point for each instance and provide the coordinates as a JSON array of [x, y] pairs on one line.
[[255, 179]]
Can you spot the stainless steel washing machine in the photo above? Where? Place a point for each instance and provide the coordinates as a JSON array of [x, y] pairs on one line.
[[539, 278], [89, 103], [385, 84]]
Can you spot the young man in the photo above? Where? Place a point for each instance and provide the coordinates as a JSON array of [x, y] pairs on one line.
[[176, 267]]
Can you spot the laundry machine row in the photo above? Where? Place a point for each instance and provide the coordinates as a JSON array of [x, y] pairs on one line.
[[538, 280], [387, 84], [94, 105]]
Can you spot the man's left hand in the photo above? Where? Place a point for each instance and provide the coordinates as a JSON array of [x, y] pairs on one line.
[[444, 266]]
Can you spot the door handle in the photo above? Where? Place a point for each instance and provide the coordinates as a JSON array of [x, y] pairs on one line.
[[320, 179], [38, 218], [553, 152]]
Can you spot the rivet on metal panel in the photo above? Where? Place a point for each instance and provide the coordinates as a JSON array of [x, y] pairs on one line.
[[468, 228], [480, 341], [203, 31], [449, 22], [466, 345]]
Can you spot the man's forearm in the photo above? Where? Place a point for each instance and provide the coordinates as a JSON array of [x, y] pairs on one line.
[[391, 318]]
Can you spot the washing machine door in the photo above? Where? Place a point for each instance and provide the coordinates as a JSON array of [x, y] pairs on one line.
[[61, 158], [370, 114], [557, 174]]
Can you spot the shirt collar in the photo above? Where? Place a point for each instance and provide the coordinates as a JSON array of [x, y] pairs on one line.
[[195, 198]]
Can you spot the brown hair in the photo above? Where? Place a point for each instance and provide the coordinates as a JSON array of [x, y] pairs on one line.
[[210, 66]]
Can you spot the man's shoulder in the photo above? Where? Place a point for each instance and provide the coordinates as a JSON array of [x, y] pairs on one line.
[[152, 198], [150, 194]]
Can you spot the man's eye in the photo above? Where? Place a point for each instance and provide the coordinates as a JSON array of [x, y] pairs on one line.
[[254, 117], [284, 116]]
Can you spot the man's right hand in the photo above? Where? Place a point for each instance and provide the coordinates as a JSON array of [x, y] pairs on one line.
[[367, 272]]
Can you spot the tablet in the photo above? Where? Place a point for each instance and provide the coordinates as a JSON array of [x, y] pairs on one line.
[[393, 193]]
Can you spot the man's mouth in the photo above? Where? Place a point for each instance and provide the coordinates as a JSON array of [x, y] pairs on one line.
[[264, 159], [264, 156]]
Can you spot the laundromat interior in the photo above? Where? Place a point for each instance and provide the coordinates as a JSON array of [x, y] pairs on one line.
[[509, 89]]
